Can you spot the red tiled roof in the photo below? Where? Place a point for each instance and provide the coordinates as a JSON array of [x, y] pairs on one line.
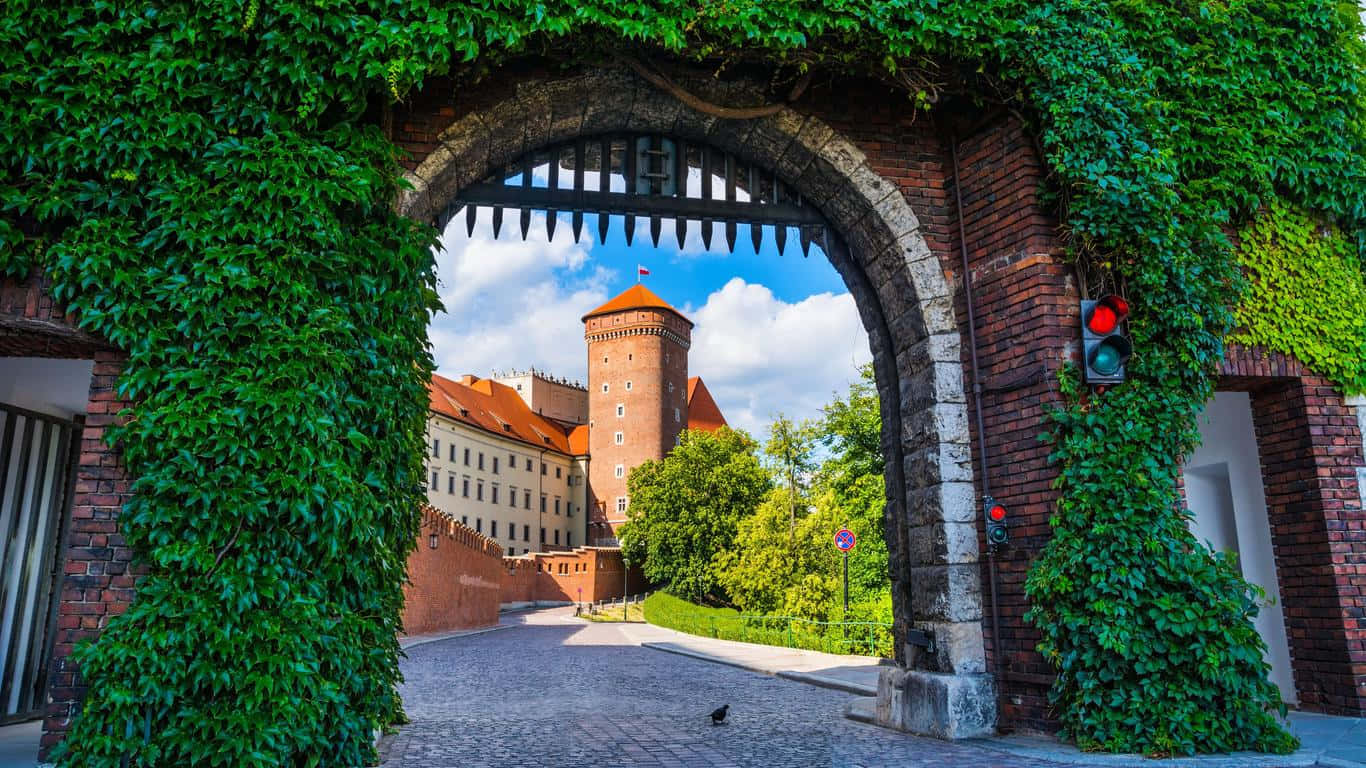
[[703, 413], [578, 440], [498, 409], [635, 297]]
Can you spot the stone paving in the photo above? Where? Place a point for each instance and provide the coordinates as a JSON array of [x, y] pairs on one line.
[[558, 692]]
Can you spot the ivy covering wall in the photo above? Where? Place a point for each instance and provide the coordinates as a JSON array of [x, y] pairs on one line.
[[206, 184]]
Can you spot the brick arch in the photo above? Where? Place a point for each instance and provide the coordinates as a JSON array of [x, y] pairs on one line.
[[906, 306]]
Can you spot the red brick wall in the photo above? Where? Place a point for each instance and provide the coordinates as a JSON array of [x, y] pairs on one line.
[[587, 574], [98, 575], [1310, 448], [457, 584]]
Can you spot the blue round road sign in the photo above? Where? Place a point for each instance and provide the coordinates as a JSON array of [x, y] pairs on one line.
[[845, 540]]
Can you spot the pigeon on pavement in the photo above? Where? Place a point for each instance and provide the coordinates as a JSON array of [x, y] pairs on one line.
[[717, 716]]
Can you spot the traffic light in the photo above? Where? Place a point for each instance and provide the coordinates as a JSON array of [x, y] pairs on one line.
[[1104, 347], [997, 535]]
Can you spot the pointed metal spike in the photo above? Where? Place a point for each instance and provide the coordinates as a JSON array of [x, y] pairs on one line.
[[630, 228], [525, 221], [471, 215], [444, 218], [654, 230], [730, 236], [805, 233], [756, 235], [603, 222], [550, 221], [825, 240], [780, 235], [497, 221], [577, 222], [681, 231], [706, 234]]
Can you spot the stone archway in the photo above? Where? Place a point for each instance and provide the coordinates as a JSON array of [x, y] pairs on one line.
[[906, 306]]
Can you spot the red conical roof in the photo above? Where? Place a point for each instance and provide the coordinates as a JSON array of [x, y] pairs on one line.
[[703, 413], [635, 297]]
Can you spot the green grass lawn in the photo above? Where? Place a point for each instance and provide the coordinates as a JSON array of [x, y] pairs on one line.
[[634, 612]]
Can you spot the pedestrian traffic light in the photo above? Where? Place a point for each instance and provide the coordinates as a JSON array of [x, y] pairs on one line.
[[1105, 349], [997, 535]]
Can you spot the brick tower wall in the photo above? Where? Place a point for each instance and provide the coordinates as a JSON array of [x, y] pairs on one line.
[[649, 349]]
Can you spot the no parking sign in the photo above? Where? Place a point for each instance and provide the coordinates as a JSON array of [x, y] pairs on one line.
[[845, 539]]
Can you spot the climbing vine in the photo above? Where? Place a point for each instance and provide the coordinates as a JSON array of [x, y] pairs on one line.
[[1305, 294], [207, 187]]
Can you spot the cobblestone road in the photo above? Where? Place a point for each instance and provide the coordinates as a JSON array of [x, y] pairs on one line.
[[555, 693]]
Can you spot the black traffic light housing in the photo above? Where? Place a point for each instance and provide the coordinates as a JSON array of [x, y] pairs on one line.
[[1104, 347], [997, 534]]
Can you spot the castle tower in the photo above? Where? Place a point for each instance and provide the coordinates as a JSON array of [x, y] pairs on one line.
[[637, 396]]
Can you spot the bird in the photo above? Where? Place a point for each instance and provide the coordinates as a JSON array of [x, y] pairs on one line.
[[718, 715]]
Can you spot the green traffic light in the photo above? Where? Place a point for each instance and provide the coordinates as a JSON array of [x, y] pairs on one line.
[[1106, 359]]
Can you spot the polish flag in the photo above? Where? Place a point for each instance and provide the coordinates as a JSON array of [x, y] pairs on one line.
[[641, 270]]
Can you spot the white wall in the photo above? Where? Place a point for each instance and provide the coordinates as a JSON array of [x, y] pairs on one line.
[[47, 385], [1225, 494]]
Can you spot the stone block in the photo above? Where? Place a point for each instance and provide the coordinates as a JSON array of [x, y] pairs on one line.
[[959, 648], [938, 705], [946, 593], [944, 502], [804, 148], [613, 93], [941, 543]]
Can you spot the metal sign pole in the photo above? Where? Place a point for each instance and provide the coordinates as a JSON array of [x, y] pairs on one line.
[[846, 585]]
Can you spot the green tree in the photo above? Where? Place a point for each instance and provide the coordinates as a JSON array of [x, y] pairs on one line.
[[685, 509], [789, 450], [851, 429]]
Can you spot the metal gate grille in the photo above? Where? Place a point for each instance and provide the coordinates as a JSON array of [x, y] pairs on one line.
[[35, 464]]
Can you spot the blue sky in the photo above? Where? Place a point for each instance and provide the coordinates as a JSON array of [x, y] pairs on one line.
[[774, 334]]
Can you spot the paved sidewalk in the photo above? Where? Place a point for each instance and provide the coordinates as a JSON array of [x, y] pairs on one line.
[[1332, 742]]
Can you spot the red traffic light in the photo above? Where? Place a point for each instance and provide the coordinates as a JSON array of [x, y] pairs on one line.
[[997, 512], [1107, 314]]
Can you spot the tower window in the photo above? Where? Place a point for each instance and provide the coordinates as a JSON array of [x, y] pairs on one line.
[[621, 503], [604, 386], [619, 438], [604, 359], [621, 410], [621, 470], [628, 386], [630, 357], [677, 416]]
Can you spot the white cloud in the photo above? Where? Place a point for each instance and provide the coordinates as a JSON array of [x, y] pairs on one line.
[[512, 303], [761, 356]]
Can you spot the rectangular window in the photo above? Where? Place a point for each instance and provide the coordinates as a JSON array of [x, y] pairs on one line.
[[436, 482], [542, 535], [526, 533], [465, 487], [481, 461], [526, 499], [621, 410], [494, 500], [493, 528], [557, 537], [543, 467], [677, 416], [628, 386], [479, 491], [450, 484], [452, 451], [557, 505], [528, 464], [512, 461], [543, 503], [436, 448], [467, 457], [557, 472], [512, 497], [621, 503], [465, 520], [569, 539], [495, 465], [512, 550], [478, 525], [569, 509], [604, 387], [619, 438], [621, 470]]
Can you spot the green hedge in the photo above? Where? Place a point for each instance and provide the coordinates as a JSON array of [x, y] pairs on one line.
[[861, 638]]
